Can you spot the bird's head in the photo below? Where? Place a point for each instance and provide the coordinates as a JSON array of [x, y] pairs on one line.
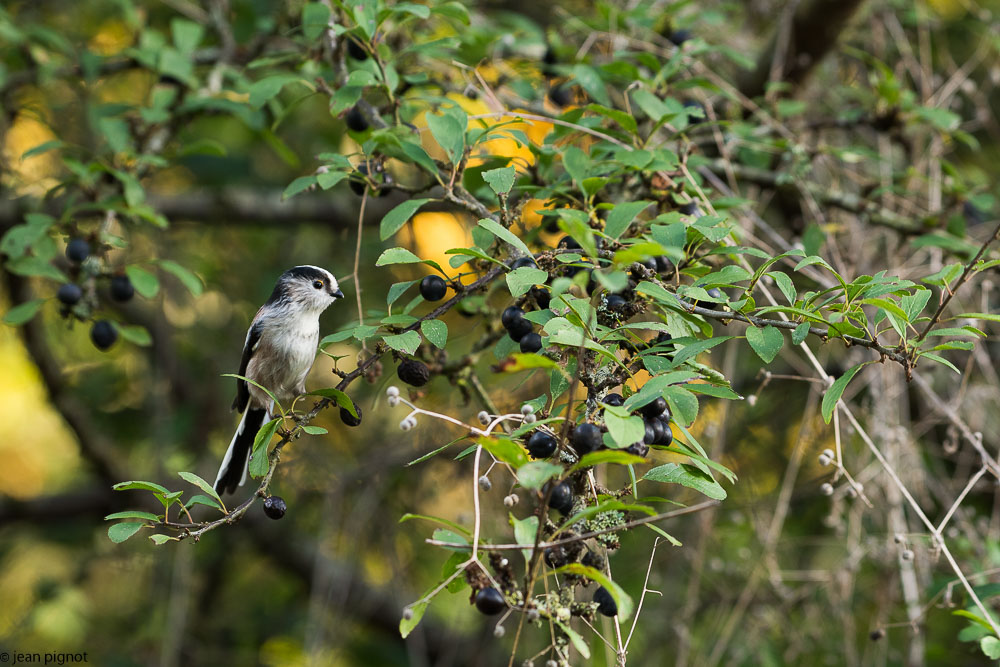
[[310, 287]]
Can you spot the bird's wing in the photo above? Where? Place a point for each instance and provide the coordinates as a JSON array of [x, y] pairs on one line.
[[249, 347]]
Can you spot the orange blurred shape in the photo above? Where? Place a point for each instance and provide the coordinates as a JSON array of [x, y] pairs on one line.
[[430, 233]]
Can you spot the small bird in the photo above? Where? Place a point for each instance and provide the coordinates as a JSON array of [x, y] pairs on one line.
[[279, 351]]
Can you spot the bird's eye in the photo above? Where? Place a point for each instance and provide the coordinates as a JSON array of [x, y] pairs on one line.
[[318, 284]]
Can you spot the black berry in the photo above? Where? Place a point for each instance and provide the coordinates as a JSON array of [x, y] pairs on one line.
[[103, 334], [522, 262], [716, 293], [605, 603], [121, 288], [356, 120], [509, 315], [616, 302], [690, 208], [69, 294], [664, 265], [348, 418], [490, 601], [678, 37], [586, 438], [359, 182], [413, 372], [638, 448], [649, 436], [541, 445], [77, 250], [561, 499], [657, 425], [433, 288], [569, 243], [519, 329], [561, 95], [696, 113], [668, 434], [614, 399], [356, 51], [531, 342], [274, 507], [654, 408], [541, 295], [555, 557]]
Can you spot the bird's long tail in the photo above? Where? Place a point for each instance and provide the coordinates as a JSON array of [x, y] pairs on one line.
[[233, 471]]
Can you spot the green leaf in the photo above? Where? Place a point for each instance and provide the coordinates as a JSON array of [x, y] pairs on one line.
[[315, 17], [579, 643], [203, 485], [689, 476], [397, 217], [765, 342], [136, 334], [407, 342], [397, 256], [836, 390], [262, 91], [525, 532], [22, 313], [35, 266], [624, 429], [259, 463], [449, 134], [187, 277], [622, 215], [590, 80], [315, 430], [505, 234], [297, 186], [132, 514], [140, 486], [800, 333], [342, 399], [608, 456], [145, 283], [989, 317], [990, 647], [436, 332], [43, 148], [201, 499], [187, 34], [120, 532], [523, 279], [534, 474], [622, 599], [504, 449], [328, 179], [500, 180], [160, 540], [416, 612]]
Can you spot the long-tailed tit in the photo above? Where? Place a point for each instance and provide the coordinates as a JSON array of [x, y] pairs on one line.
[[279, 351]]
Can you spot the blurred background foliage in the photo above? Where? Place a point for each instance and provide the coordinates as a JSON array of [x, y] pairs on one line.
[[326, 585]]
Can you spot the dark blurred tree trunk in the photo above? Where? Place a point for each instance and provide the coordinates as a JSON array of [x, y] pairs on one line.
[[815, 28]]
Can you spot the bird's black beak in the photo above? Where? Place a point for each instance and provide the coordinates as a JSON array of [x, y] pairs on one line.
[[337, 294]]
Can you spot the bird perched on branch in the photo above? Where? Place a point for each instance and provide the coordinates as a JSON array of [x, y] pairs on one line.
[[279, 351]]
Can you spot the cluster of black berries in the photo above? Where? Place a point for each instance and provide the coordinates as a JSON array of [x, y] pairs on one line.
[[102, 332], [520, 329], [656, 419]]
